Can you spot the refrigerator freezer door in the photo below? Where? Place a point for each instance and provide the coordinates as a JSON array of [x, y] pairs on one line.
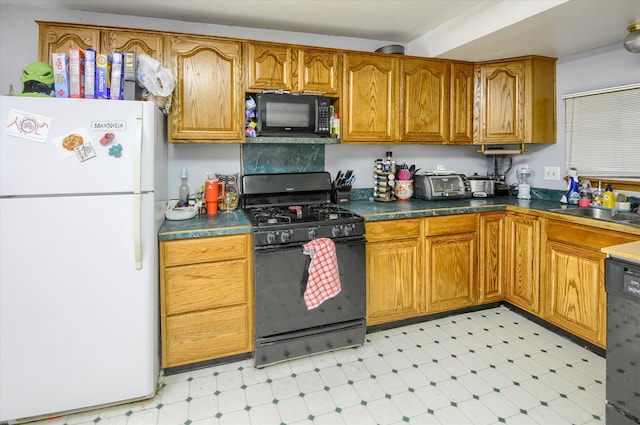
[[33, 168], [78, 321]]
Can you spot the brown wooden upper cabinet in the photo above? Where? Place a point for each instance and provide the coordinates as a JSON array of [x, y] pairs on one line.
[[151, 44], [424, 100], [382, 98], [369, 98], [515, 101], [58, 37], [208, 98], [318, 70], [268, 66], [273, 66], [388, 99], [461, 104]]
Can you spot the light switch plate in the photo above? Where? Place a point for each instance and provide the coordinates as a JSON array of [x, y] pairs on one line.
[[552, 173]]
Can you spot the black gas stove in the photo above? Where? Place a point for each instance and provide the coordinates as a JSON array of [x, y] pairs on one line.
[[296, 207], [287, 211]]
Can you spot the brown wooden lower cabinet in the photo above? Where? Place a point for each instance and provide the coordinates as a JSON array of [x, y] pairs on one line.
[[393, 270], [573, 291], [491, 256], [451, 262], [205, 335], [523, 261], [206, 298]]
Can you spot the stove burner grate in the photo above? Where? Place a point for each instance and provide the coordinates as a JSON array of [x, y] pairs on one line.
[[316, 213]]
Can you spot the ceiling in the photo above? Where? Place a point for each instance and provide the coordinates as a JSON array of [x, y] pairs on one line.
[[455, 29]]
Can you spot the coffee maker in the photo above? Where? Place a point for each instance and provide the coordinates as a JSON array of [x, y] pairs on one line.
[[524, 182]]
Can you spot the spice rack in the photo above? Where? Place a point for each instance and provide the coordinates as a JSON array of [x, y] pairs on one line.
[[384, 186]]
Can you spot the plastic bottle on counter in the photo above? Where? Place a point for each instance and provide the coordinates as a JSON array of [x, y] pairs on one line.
[[585, 194], [596, 195], [608, 197], [183, 190], [573, 194], [335, 126]]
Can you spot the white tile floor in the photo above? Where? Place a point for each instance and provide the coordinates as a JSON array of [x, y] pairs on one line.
[[486, 367]]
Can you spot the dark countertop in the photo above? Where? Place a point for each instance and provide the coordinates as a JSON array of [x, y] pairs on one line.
[[223, 223], [372, 210], [235, 222]]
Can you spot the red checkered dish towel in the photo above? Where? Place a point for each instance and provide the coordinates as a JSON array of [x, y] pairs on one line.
[[324, 276]]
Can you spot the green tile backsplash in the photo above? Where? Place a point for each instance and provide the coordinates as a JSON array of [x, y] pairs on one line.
[[281, 158]]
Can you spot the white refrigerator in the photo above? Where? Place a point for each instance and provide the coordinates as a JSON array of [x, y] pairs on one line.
[[82, 195]]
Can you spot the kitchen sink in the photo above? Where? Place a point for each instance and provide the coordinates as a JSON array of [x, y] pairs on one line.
[[631, 219]]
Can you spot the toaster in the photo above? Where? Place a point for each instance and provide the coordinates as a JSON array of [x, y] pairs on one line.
[[432, 187], [482, 187]]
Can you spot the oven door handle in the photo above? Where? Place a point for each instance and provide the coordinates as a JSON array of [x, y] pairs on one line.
[[279, 247]]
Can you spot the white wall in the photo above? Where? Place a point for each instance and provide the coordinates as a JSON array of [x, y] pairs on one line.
[[609, 66], [596, 69]]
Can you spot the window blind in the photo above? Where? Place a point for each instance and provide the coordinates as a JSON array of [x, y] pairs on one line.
[[603, 132]]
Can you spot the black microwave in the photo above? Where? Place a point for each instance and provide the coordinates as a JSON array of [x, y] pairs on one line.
[[293, 115]]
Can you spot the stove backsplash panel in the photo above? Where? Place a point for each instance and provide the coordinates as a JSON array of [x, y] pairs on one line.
[[281, 158]]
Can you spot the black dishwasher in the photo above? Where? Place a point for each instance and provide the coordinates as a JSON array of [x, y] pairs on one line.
[[623, 342]]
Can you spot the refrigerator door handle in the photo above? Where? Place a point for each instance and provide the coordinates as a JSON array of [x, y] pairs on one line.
[[137, 187], [137, 237]]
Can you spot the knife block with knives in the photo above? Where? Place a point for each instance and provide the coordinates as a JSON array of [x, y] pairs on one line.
[[341, 187]]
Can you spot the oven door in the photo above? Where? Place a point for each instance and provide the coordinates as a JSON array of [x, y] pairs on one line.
[[281, 279]]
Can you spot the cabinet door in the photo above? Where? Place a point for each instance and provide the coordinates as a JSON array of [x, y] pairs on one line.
[[575, 293], [451, 271], [492, 257], [572, 277], [370, 98], [392, 280], [523, 267], [208, 98], [55, 38], [461, 116], [206, 335], [138, 41], [268, 66], [501, 102], [424, 88], [318, 71]]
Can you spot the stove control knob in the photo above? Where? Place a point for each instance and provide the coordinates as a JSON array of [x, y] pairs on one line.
[[285, 236], [348, 230], [271, 238], [313, 232], [336, 231]]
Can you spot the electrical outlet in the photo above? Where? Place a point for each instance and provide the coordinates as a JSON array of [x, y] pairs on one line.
[[552, 173], [208, 175]]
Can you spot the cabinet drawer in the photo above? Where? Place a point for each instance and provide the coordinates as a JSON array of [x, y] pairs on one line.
[[205, 286], [201, 250], [206, 335], [585, 236], [392, 229], [450, 224]]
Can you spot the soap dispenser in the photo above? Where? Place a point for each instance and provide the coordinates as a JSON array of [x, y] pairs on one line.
[[608, 197]]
